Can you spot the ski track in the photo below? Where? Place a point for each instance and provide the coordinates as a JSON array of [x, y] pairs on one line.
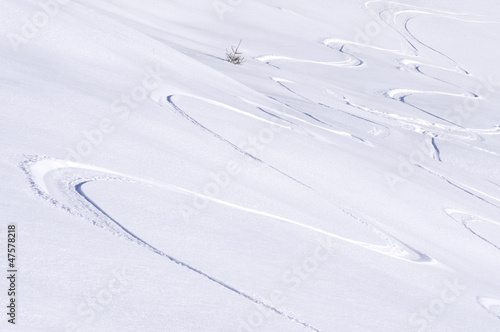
[[465, 219], [349, 63], [72, 190], [395, 248], [385, 131], [463, 187], [330, 129], [84, 207], [441, 131]]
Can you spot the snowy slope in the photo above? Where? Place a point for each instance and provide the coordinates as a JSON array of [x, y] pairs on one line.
[[345, 178]]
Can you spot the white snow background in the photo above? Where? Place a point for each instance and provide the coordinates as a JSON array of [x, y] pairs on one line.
[[346, 177]]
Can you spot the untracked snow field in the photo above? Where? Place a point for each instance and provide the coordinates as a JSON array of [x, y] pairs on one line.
[[345, 177]]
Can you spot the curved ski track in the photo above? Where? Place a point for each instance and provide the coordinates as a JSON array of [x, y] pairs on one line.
[[70, 183]]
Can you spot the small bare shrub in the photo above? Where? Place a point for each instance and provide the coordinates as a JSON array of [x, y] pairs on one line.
[[235, 56]]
